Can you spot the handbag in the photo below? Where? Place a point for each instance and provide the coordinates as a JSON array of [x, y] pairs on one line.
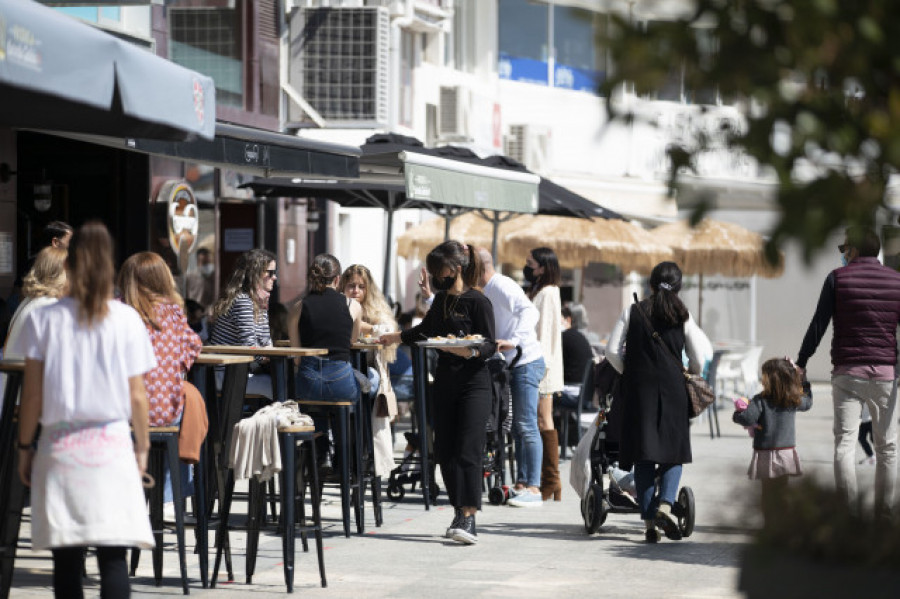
[[698, 390]]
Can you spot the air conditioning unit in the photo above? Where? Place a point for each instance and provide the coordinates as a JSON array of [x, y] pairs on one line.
[[338, 63], [453, 113], [530, 145]]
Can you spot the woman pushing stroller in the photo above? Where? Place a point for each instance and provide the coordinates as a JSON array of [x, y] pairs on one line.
[[656, 425]]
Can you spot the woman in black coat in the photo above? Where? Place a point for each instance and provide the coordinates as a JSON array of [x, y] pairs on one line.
[[656, 426]]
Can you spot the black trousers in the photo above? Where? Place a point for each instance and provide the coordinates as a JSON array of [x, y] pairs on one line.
[[462, 404], [67, 573], [865, 433]]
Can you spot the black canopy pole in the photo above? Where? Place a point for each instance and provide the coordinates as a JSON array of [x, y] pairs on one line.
[[495, 221], [386, 284]]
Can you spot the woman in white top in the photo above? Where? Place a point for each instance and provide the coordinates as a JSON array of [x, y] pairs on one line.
[[542, 271], [44, 285], [85, 357]]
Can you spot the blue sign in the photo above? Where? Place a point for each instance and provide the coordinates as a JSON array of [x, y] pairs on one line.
[[529, 70]]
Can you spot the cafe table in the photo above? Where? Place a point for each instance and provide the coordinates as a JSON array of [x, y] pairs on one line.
[[278, 356], [12, 499]]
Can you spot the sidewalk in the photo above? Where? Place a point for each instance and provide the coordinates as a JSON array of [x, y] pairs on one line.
[[542, 552]]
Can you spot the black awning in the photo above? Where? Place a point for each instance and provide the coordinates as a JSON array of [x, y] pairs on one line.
[[58, 73], [254, 151]]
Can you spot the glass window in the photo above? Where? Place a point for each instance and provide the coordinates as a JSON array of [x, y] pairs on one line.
[[579, 61], [524, 42], [208, 40]]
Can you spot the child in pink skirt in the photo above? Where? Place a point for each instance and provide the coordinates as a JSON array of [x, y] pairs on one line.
[[771, 413]]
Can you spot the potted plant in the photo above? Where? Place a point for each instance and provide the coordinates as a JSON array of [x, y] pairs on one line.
[[813, 545]]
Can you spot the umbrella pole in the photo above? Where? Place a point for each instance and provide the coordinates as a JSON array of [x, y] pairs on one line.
[[495, 221], [447, 219], [386, 283], [700, 303]]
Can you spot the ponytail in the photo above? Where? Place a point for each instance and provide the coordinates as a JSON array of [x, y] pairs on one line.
[[473, 272], [665, 281]]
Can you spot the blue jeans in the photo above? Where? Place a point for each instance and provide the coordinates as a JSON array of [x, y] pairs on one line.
[[524, 385], [326, 380], [645, 474]]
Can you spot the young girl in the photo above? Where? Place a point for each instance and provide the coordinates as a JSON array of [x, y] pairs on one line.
[[772, 413]]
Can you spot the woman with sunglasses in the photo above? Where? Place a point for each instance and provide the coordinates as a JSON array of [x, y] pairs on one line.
[[242, 314]]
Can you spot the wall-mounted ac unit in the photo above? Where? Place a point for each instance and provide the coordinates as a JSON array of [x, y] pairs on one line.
[[530, 145], [338, 63], [453, 113]]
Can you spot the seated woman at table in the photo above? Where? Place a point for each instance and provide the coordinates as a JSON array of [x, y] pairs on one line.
[[377, 318], [242, 317], [324, 318], [462, 384], [85, 360], [147, 286], [44, 284]]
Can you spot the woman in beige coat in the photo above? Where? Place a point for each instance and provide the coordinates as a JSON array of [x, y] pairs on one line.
[[542, 271]]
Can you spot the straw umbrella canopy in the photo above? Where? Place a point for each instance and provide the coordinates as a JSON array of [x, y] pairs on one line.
[[578, 242], [416, 242], [717, 247]]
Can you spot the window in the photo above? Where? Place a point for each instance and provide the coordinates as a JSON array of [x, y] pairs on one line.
[[209, 40], [552, 45]]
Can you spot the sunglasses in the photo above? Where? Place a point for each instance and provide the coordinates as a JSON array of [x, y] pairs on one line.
[[843, 247], [271, 272]]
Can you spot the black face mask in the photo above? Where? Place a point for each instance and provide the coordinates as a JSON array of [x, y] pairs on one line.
[[443, 283], [528, 273]]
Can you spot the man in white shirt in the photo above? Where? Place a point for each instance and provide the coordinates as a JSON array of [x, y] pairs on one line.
[[515, 319]]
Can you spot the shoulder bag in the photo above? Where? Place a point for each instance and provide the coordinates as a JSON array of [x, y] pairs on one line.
[[700, 394]]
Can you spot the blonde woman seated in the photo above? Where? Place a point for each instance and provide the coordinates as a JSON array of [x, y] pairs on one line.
[[44, 284], [377, 318]]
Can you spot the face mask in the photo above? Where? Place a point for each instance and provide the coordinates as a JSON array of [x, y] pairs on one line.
[[528, 273], [844, 261], [207, 269], [443, 283]]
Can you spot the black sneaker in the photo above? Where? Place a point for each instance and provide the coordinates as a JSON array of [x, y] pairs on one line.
[[651, 535], [668, 525], [457, 519], [465, 533]]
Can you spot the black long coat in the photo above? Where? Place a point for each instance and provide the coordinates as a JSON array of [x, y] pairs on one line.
[[656, 426]]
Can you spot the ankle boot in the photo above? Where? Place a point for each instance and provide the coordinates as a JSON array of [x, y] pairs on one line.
[[550, 483]]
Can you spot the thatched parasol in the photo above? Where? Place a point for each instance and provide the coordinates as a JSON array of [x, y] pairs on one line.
[[717, 248], [576, 241], [579, 241], [416, 242]]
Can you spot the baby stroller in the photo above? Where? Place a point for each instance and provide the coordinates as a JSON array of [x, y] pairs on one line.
[[600, 500], [409, 472], [498, 427]]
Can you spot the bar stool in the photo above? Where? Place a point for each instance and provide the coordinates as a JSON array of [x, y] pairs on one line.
[[164, 445], [292, 439], [351, 491]]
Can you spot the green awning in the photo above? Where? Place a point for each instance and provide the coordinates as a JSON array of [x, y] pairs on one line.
[[433, 179]]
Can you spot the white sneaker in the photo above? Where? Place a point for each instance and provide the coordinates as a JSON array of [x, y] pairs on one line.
[[169, 511], [526, 499]]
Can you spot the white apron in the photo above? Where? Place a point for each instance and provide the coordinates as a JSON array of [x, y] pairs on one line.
[[86, 489]]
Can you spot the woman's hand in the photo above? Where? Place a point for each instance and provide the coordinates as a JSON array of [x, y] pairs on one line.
[[505, 345], [26, 456], [141, 455], [424, 284], [390, 338]]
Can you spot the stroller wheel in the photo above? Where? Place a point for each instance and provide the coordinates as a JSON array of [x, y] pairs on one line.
[[395, 491], [496, 496], [594, 508], [687, 511]]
